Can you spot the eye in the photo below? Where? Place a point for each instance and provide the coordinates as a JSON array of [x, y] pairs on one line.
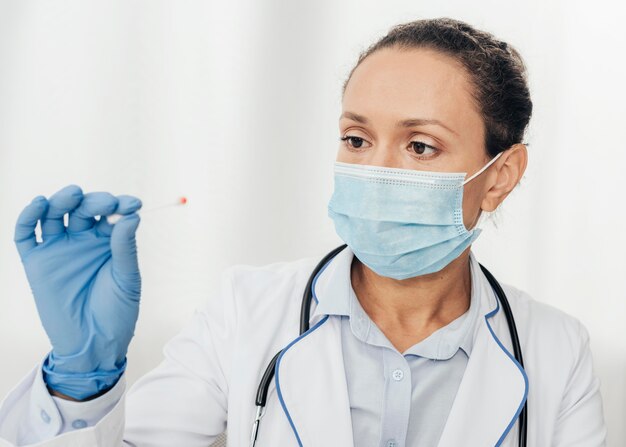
[[421, 148], [353, 142]]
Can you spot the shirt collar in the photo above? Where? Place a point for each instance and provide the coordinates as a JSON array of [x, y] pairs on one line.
[[334, 286]]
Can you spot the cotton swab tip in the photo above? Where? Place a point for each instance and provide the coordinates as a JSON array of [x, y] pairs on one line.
[[113, 218]]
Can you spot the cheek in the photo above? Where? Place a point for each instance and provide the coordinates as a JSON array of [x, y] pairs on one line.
[[472, 199], [342, 155], [345, 156]]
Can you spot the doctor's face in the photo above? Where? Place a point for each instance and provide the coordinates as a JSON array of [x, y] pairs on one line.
[[413, 109]]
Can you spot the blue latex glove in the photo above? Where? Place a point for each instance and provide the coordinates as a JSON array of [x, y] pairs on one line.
[[86, 283]]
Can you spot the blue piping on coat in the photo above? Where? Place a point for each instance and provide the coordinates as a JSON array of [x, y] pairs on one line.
[[315, 280], [521, 405], [276, 373], [280, 394]]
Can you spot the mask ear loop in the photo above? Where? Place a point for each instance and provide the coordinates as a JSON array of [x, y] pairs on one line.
[[482, 218], [481, 170]]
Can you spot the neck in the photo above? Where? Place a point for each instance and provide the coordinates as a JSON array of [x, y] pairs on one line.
[[418, 305]]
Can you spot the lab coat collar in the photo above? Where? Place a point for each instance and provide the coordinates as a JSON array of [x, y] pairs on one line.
[[331, 287], [312, 388]]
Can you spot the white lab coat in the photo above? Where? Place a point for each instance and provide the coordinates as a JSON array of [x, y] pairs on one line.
[[212, 368]]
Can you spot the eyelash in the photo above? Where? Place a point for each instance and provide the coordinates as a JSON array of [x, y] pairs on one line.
[[356, 149]]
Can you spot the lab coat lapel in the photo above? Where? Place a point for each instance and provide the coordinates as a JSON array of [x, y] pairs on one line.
[[494, 386], [312, 388], [310, 374]]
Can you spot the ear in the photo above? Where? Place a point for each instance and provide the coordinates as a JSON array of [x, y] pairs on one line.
[[509, 170]]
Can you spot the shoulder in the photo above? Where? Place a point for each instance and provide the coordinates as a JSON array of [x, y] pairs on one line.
[[559, 365], [255, 300], [541, 316], [267, 293], [547, 333], [275, 276]]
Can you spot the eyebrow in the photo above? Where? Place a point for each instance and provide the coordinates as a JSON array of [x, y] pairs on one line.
[[404, 123]]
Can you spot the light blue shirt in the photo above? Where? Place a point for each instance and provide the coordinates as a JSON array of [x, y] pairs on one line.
[[400, 399]]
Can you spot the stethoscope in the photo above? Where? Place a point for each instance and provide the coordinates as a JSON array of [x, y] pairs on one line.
[[305, 310]]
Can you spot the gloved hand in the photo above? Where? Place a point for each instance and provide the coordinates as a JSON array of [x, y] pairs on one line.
[[86, 283]]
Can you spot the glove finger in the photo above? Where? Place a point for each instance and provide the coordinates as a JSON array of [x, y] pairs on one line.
[[61, 202], [104, 228], [126, 205], [125, 267], [93, 204], [25, 238]]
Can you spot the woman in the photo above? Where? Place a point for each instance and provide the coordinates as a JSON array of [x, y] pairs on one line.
[[407, 342]]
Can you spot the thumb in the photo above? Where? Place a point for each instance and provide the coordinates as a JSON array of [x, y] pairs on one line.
[[124, 251]]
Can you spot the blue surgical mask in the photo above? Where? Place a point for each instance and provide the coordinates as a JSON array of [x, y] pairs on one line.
[[401, 223]]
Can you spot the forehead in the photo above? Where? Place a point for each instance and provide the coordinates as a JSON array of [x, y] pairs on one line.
[[420, 83]]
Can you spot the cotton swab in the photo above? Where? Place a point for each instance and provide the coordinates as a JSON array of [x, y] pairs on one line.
[[113, 218]]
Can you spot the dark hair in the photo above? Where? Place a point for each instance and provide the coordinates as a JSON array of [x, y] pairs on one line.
[[496, 71]]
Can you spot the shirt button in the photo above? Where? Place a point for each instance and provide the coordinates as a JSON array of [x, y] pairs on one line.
[[79, 423], [392, 443], [397, 376], [44, 416]]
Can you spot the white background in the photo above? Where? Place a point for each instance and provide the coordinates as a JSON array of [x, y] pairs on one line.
[[235, 104]]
